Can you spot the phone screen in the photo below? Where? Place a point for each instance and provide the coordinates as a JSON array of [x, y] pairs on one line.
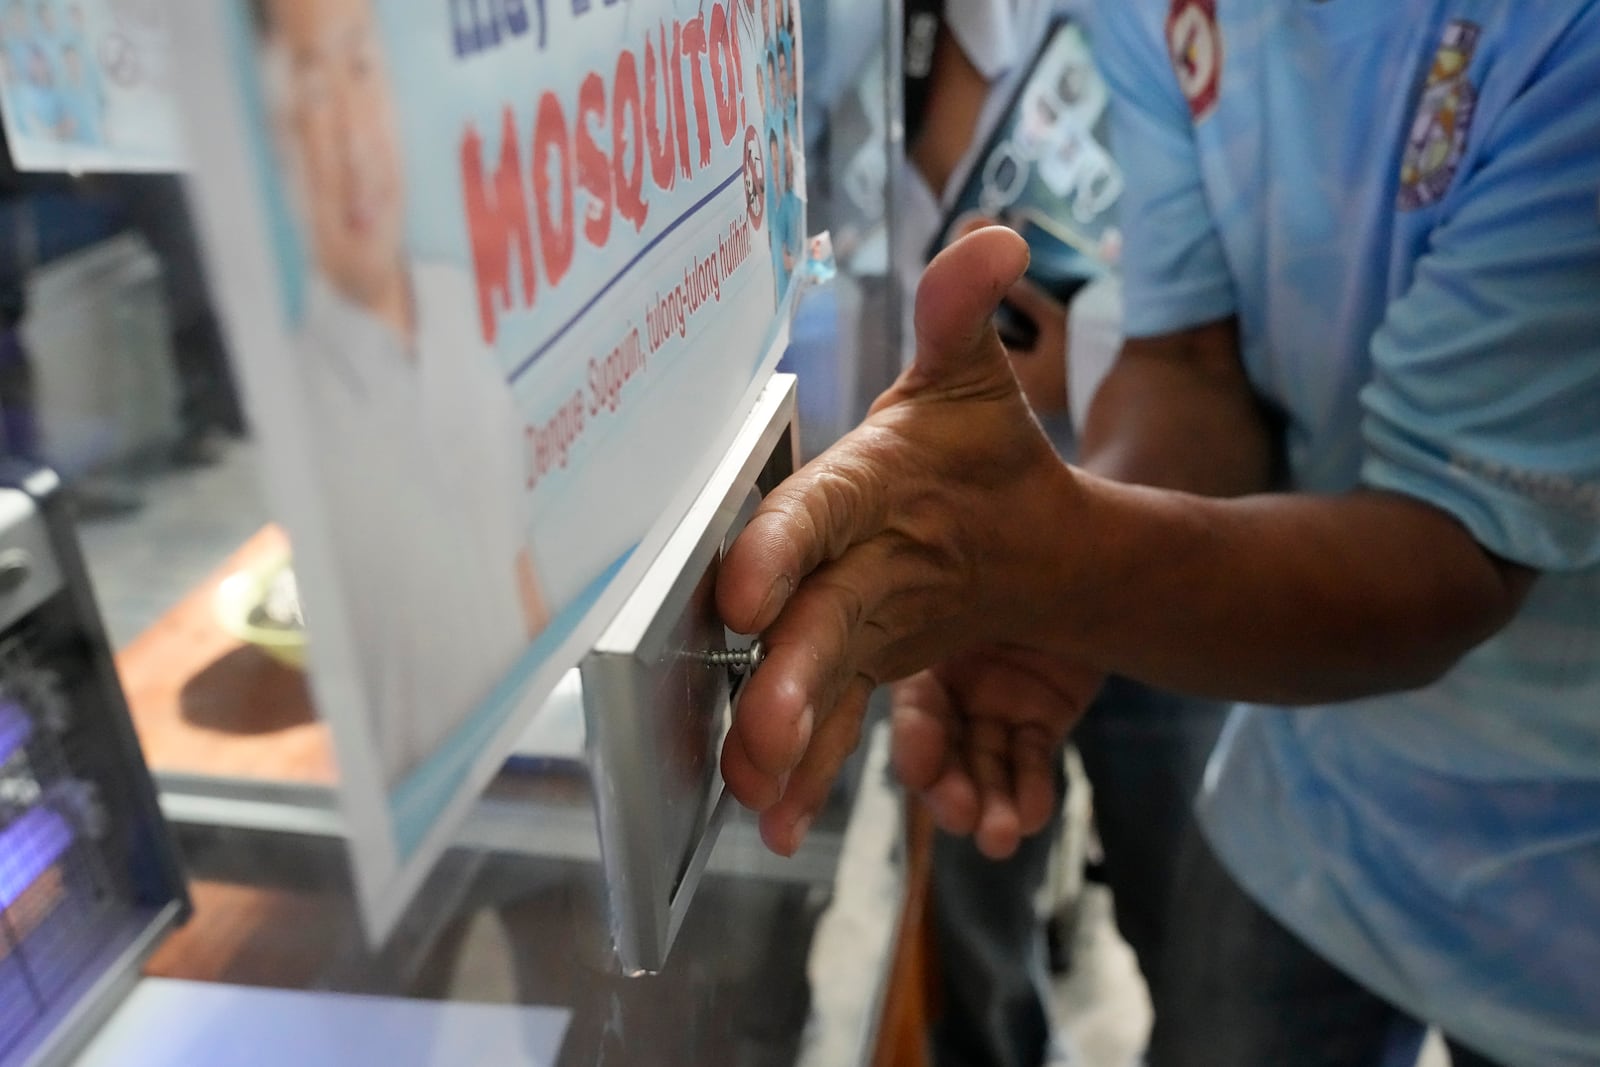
[[1046, 170]]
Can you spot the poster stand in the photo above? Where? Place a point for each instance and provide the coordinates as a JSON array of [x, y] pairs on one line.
[[657, 705]]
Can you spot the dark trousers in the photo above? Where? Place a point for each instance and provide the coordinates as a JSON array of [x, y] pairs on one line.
[[994, 973], [1144, 752], [19, 429], [1231, 987], [1240, 989], [154, 205]]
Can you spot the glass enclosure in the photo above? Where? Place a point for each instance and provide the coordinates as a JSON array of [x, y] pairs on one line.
[[114, 373]]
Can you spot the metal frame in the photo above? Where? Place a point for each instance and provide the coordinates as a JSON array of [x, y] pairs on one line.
[[508, 826], [656, 711], [44, 571], [107, 981]]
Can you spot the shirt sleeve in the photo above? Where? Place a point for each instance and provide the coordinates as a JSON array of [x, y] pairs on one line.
[[1174, 271], [1485, 395]]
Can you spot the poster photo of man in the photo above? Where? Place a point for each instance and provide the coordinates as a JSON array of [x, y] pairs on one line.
[[410, 414]]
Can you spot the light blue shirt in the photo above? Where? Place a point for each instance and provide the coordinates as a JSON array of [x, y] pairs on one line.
[[83, 107], [1400, 201], [39, 111], [786, 219], [774, 221]]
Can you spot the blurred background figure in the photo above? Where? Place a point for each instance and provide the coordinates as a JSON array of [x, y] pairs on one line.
[[153, 206]]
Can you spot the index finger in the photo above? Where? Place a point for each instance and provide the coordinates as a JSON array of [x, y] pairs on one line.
[[830, 504]]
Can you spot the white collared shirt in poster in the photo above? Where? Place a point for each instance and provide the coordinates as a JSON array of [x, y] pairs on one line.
[[419, 449]]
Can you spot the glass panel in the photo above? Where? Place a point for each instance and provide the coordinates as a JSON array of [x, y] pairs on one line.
[[113, 372]]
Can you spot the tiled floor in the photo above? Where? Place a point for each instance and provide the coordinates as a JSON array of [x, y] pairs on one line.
[[190, 520]]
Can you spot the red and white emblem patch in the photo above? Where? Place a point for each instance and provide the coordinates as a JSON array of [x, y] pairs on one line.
[[1195, 44]]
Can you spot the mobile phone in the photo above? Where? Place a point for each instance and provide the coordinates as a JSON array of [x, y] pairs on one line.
[[1045, 171], [1056, 267]]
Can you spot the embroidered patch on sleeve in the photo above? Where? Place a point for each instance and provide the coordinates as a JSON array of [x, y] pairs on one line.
[[1438, 134]]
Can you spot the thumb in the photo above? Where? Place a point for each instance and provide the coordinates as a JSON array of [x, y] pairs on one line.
[[956, 344]]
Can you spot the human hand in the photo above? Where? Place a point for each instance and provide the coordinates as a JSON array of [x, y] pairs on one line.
[[1040, 360], [928, 530], [977, 737]]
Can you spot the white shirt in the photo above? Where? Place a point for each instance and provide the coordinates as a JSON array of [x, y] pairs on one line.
[[422, 474]]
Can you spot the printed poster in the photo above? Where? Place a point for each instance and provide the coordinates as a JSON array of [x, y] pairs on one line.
[[502, 278], [85, 85]]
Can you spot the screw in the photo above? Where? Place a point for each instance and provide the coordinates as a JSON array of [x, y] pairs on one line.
[[737, 660]]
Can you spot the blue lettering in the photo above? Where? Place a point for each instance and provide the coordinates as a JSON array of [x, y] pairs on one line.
[[480, 25]]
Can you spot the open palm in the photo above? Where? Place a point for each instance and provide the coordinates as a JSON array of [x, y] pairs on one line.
[[977, 737]]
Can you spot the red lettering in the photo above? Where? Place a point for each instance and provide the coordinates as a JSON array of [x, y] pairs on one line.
[[724, 82], [694, 46], [568, 153], [659, 142], [594, 169], [497, 221], [737, 48], [680, 120], [556, 234], [627, 122]]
